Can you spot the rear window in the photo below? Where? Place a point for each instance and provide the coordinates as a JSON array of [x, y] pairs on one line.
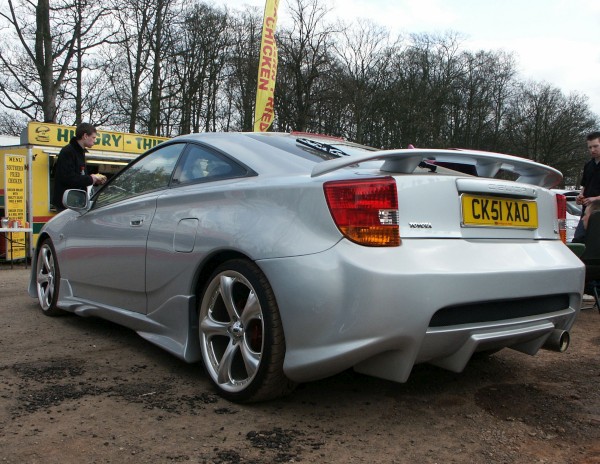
[[314, 149]]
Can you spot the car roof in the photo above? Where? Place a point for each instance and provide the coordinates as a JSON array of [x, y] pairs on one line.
[[266, 152]]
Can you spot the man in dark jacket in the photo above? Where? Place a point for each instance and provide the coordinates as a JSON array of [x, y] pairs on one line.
[[70, 171], [590, 182]]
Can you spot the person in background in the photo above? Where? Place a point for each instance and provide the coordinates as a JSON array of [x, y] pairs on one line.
[[590, 182], [592, 207], [591, 249], [70, 171]]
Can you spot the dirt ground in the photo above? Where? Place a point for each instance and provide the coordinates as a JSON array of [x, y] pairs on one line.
[[76, 390]]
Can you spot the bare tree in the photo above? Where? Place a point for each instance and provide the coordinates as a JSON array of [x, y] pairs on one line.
[[12, 123], [161, 42], [545, 125], [242, 68], [364, 54], [35, 73], [198, 65], [165, 67], [49, 37], [129, 59], [91, 30], [419, 88], [476, 104], [304, 57]]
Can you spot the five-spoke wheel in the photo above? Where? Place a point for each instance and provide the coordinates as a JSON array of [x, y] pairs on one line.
[[241, 334], [48, 279]]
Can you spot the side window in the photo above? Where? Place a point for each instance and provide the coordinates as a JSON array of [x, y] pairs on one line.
[[152, 172], [200, 164]]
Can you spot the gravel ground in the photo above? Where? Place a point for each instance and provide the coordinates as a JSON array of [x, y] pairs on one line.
[[77, 390]]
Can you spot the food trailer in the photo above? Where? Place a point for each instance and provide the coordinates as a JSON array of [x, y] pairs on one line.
[[26, 177]]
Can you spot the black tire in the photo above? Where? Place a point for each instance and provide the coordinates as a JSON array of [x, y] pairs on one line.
[[241, 335], [48, 279]]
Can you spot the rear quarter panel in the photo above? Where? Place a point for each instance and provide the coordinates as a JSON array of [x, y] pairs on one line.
[[259, 217]]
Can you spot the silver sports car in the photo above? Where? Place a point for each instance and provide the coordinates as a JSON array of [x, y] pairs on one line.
[[283, 258]]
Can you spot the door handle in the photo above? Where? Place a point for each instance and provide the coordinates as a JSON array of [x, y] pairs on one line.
[[137, 222]]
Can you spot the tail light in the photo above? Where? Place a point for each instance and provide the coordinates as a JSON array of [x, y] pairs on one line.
[[365, 210], [561, 207]]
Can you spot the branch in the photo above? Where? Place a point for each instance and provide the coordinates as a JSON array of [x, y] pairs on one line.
[[14, 22]]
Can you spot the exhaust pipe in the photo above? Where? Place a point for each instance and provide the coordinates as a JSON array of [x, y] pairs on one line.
[[557, 341]]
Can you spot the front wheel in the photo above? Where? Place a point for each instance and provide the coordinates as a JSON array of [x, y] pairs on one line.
[[241, 335], [48, 279]]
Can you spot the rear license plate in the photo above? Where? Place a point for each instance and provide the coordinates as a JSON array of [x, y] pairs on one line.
[[482, 211]]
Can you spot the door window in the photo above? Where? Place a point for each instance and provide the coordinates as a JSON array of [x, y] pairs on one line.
[[152, 172]]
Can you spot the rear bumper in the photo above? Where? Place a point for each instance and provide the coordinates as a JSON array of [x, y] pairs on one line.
[[371, 308]]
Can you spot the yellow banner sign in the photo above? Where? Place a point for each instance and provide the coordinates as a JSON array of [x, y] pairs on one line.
[[39, 133], [267, 70], [14, 202]]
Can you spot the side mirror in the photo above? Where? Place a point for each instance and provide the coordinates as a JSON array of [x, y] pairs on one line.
[[77, 200]]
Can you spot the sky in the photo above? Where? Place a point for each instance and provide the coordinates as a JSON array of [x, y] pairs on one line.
[[553, 41]]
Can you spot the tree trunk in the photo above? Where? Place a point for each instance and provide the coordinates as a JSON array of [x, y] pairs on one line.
[[45, 60], [155, 92]]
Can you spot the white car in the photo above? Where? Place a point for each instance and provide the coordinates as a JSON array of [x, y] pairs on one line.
[[275, 258]]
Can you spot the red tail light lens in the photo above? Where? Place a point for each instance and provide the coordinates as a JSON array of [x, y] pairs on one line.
[[561, 207], [366, 210]]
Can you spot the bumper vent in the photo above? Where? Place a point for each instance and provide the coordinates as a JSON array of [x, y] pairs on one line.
[[489, 311]]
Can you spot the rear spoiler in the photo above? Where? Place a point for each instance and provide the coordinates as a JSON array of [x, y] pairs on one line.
[[487, 164]]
